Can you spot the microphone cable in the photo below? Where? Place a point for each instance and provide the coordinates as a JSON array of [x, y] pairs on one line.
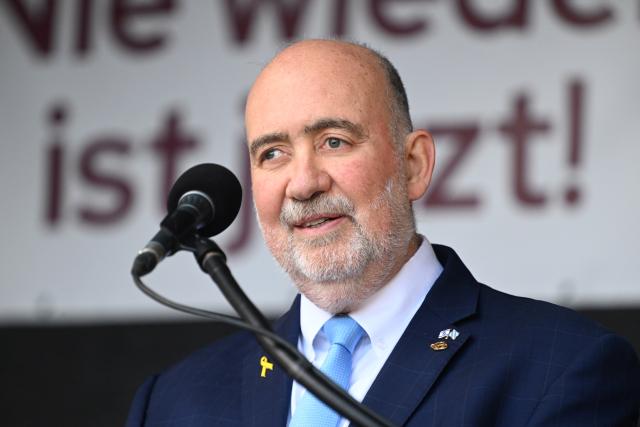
[[212, 315], [212, 261]]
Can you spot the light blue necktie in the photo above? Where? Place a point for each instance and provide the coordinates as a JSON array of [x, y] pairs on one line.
[[344, 333]]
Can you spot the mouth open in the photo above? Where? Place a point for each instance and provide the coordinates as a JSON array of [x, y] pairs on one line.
[[318, 221]]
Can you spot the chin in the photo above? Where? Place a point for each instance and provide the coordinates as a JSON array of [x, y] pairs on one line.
[[337, 297], [343, 288]]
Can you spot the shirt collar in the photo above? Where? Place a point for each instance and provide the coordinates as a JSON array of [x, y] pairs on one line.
[[385, 316]]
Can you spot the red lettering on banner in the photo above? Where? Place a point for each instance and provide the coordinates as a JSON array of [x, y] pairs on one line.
[[37, 24], [243, 14], [581, 17], [396, 27], [169, 145], [171, 142], [242, 17], [519, 128], [55, 165], [41, 24], [83, 29], [440, 195], [340, 18], [124, 11], [516, 17], [576, 87], [118, 185]]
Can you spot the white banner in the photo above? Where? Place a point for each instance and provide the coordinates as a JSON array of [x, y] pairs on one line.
[[535, 107]]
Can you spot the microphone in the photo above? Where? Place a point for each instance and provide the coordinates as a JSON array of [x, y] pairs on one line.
[[205, 200]]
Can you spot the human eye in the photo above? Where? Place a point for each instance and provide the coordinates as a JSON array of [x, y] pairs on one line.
[[334, 143], [270, 154]]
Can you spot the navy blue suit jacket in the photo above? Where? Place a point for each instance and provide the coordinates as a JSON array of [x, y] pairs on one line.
[[516, 362]]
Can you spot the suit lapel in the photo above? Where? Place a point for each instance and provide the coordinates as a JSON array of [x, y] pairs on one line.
[[413, 367], [266, 399], [409, 373]]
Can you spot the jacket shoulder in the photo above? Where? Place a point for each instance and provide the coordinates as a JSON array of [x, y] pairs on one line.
[[545, 317]]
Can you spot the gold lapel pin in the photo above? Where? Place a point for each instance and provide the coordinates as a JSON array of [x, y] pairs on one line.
[[439, 345], [266, 365]]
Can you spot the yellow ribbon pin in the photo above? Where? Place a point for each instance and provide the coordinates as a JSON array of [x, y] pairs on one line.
[[266, 365]]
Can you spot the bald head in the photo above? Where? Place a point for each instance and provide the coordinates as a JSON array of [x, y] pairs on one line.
[[345, 64]]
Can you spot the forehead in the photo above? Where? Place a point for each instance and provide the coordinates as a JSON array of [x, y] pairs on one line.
[[310, 81]]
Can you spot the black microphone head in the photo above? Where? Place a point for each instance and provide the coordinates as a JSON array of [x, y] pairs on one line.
[[220, 185]]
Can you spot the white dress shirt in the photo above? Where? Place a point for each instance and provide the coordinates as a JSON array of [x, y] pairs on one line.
[[384, 318]]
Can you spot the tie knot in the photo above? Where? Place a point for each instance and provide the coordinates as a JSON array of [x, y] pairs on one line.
[[343, 330]]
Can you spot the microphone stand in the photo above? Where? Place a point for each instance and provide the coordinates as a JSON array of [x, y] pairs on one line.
[[212, 261]]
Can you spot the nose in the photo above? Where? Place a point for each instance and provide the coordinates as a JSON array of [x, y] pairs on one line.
[[308, 177]]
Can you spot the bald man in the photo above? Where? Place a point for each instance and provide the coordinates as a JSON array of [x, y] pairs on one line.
[[335, 166]]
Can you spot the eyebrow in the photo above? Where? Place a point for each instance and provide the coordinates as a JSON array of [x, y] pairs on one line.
[[335, 123], [315, 127]]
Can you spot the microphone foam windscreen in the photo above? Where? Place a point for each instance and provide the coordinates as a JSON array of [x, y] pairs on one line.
[[220, 185]]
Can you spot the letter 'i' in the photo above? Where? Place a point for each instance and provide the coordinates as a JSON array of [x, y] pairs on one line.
[[56, 117]]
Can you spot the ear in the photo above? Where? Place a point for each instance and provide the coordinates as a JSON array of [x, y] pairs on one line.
[[420, 156]]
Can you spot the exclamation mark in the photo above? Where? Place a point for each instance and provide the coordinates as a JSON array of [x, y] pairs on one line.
[[572, 194], [55, 158]]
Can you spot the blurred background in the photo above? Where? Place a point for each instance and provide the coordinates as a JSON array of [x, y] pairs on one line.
[[534, 105]]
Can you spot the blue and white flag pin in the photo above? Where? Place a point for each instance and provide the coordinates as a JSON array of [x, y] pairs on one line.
[[448, 334]]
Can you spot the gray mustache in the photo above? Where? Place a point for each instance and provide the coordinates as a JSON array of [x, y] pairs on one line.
[[294, 211]]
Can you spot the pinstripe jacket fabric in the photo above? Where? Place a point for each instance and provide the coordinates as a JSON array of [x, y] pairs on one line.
[[515, 362]]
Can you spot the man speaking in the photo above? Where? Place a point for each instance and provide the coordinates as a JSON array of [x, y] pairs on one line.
[[398, 322]]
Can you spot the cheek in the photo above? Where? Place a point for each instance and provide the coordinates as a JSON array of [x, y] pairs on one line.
[[365, 179], [267, 197]]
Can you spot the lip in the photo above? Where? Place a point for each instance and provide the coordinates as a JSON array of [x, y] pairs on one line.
[[333, 222]]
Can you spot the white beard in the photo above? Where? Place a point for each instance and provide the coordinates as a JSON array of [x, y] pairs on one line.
[[338, 271]]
